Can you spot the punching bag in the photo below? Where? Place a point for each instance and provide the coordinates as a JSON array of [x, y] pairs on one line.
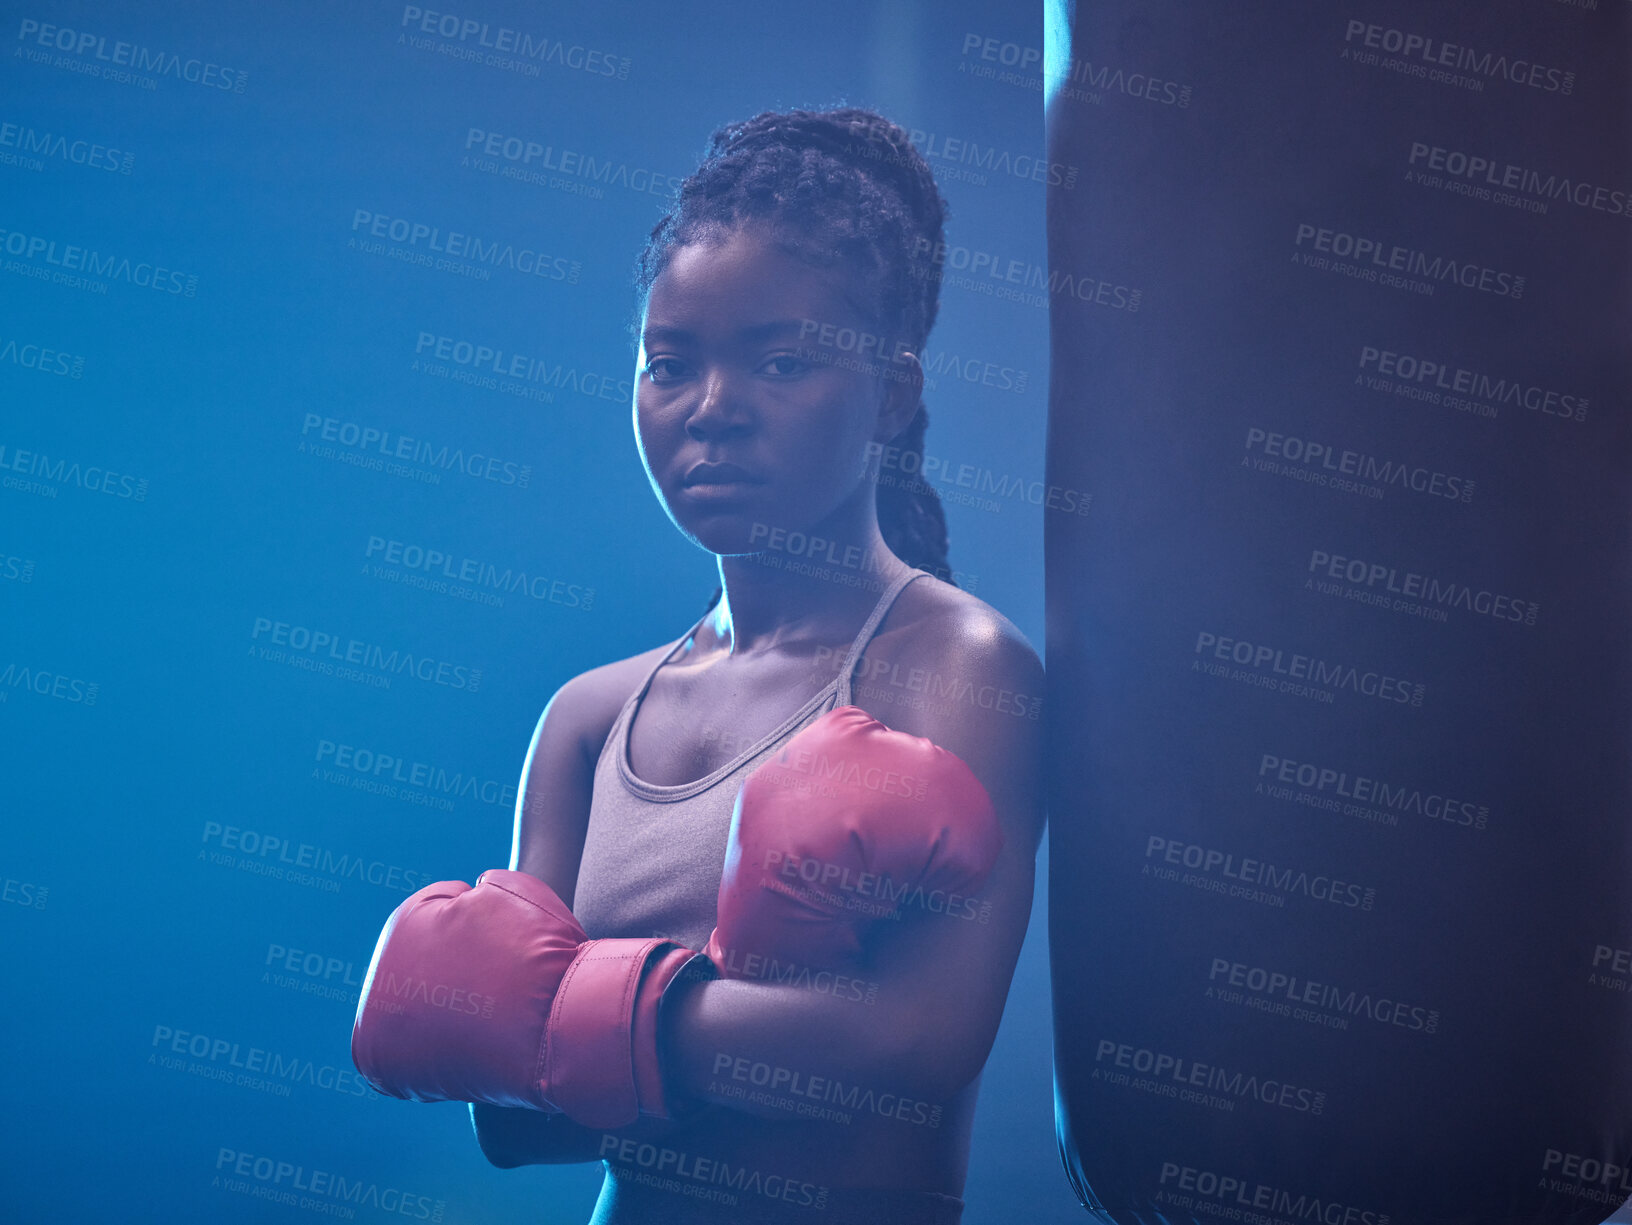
[[1339, 661]]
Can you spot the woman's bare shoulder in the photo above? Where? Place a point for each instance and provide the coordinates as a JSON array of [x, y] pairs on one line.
[[947, 665], [935, 621], [959, 673], [558, 777], [585, 707]]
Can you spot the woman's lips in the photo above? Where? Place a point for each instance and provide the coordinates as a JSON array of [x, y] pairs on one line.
[[711, 475]]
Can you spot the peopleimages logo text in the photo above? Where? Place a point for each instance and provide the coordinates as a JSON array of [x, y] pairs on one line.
[[527, 46], [457, 245], [132, 55], [1410, 46], [1381, 254]]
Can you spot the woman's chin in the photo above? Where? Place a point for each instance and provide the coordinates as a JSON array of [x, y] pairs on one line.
[[722, 534], [724, 527]]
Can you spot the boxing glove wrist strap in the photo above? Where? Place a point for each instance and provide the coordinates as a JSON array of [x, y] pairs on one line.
[[600, 1063]]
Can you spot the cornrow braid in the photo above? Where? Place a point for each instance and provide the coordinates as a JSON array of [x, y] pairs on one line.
[[847, 186]]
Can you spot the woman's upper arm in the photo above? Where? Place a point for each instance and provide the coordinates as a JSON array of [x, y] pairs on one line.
[[988, 684], [558, 778], [973, 685], [552, 815], [942, 974]]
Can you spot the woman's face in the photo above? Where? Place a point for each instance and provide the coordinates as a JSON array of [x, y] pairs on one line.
[[743, 426]]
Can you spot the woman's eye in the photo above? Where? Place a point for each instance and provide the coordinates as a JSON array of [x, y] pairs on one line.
[[662, 369], [785, 364]]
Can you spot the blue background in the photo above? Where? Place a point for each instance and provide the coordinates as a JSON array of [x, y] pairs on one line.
[[127, 914]]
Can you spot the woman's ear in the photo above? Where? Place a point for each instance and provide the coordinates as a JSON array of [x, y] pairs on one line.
[[903, 378]]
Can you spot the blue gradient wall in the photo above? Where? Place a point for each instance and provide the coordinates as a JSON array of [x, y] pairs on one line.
[[295, 299]]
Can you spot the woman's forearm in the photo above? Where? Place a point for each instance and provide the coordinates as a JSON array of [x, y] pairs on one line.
[[514, 1136], [783, 1051]]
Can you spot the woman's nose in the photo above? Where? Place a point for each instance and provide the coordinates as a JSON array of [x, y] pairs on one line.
[[722, 406]]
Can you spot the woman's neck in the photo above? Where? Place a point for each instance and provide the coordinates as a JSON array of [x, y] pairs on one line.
[[802, 587]]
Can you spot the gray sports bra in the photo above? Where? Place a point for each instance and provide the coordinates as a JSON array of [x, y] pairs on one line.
[[653, 854]]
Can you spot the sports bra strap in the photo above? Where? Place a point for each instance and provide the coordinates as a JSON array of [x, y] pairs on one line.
[[842, 693]]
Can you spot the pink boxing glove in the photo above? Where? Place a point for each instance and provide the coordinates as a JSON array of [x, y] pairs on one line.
[[496, 994], [851, 823]]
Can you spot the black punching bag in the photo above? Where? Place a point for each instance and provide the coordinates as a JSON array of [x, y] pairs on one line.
[[1341, 848]]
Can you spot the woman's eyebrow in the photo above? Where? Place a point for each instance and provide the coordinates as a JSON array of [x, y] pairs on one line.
[[659, 332], [778, 327], [751, 333]]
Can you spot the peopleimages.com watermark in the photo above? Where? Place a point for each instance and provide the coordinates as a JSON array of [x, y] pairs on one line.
[[1447, 63], [825, 884], [43, 359], [969, 484], [300, 863], [793, 767], [376, 448], [1236, 1197], [41, 254], [921, 687], [1285, 994], [395, 993], [1429, 596], [394, 775], [493, 368], [1600, 1181], [46, 683], [1492, 180], [14, 569], [709, 1179], [1011, 279], [963, 158], [1202, 1084], [1292, 672], [1370, 258], [64, 472], [91, 54], [881, 356], [325, 1192], [1012, 63], [1324, 465], [430, 246], [520, 51], [769, 968], [831, 560], [467, 578], [821, 1098], [332, 653], [1437, 381], [311, 973], [247, 1066], [1611, 968], [573, 171], [31, 148], [24, 893], [1332, 789], [1256, 880]]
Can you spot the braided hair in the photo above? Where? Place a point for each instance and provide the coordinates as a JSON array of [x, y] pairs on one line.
[[843, 186]]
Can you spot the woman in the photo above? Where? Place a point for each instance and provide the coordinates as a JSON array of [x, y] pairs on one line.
[[784, 301]]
